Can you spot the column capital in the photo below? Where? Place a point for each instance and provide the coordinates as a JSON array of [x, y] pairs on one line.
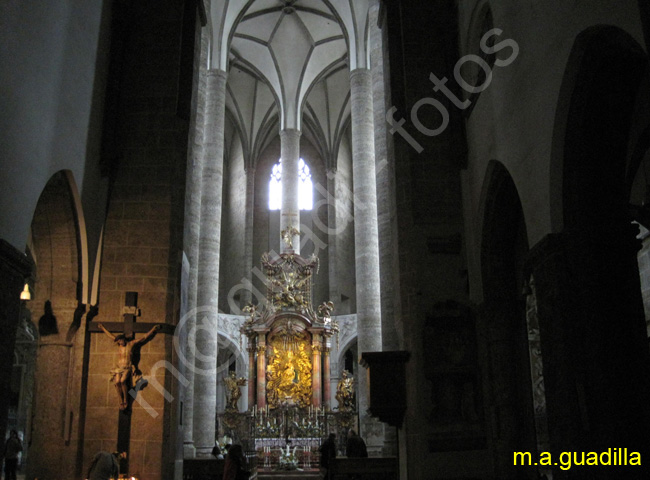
[[360, 71], [216, 72], [290, 131]]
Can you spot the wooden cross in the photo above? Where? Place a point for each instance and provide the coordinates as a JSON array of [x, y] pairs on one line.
[[127, 328]]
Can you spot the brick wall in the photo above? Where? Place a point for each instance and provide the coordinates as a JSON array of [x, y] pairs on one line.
[[143, 233]]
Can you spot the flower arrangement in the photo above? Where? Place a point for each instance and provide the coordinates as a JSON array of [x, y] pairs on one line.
[[288, 459], [224, 442]]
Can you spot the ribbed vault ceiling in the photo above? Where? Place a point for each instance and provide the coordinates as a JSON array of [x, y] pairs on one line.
[[289, 67]]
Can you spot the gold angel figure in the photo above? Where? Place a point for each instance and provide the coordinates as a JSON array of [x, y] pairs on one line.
[[288, 234], [325, 309], [345, 392], [233, 392]]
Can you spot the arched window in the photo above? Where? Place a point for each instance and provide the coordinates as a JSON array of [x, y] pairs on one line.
[[305, 189], [275, 187]]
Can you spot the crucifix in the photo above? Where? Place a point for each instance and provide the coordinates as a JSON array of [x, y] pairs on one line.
[[127, 374]]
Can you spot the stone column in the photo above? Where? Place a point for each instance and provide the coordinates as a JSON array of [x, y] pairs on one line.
[[251, 373], [205, 384], [290, 209], [327, 378], [194, 174], [316, 389], [386, 202], [366, 240], [261, 370], [247, 294]]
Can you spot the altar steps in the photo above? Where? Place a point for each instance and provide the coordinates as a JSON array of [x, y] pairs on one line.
[[288, 475]]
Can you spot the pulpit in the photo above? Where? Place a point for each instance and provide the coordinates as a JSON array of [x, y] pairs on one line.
[[387, 368]]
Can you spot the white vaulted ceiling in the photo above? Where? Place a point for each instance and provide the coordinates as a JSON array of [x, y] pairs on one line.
[[288, 61]]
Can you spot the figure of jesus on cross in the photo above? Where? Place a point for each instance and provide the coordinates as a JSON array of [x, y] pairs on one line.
[[127, 374]]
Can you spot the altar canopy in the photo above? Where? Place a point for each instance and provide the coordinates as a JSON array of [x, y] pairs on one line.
[[291, 341]]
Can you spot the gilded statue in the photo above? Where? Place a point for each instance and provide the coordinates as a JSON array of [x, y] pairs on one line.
[[233, 392], [252, 312], [345, 392], [325, 310], [288, 291], [289, 373], [127, 374], [288, 234]]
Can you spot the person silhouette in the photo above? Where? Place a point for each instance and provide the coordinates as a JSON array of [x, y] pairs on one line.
[[12, 448]]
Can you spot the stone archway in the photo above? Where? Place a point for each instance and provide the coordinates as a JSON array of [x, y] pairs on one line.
[[503, 324], [56, 303]]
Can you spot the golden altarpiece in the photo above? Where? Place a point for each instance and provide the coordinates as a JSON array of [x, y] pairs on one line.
[[288, 381]]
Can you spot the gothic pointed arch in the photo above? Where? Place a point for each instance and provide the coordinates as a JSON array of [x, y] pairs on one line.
[[504, 247], [57, 236], [593, 143]]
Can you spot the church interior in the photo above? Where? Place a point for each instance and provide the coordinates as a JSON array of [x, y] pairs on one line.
[[260, 222]]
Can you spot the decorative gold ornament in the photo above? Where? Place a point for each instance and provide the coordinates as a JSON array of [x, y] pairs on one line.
[[288, 234], [252, 311], [345, 392], [325, 310], [288, 377], [233, 392]]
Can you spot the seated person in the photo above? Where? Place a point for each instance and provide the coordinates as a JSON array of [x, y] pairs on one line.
[[235, 467]]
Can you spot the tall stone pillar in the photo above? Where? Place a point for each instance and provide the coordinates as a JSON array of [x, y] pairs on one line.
[[251, 373], [205, 383], [247, 293], [194, 175], [261, 371], [316, 389], [327, 377], [366, 241], [386, 202], [290, 208]]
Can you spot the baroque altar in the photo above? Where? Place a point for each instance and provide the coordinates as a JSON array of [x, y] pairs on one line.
[[288, 383]]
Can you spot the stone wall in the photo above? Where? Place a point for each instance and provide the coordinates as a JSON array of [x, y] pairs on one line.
[[344, 235], [56, 430], [432, 276], [143, 233], [233, 228]]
